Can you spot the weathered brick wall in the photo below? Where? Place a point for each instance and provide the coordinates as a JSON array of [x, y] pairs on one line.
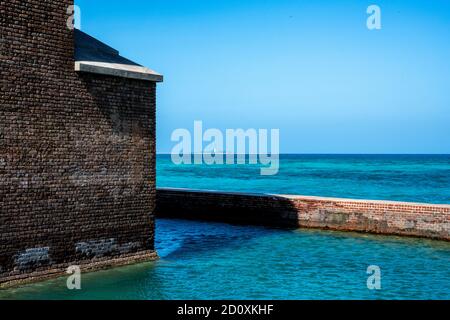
[[77, 164], [382, 217]]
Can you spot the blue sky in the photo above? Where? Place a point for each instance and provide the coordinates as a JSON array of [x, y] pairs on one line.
[[309, 68]]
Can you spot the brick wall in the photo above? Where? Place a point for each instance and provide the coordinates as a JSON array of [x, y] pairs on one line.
[[382, 217], [77, 164]]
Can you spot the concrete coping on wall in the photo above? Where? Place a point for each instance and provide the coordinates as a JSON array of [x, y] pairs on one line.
[[306, 198], [94, 56], [118, 70]]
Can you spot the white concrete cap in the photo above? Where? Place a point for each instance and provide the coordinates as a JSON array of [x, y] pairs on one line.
[[93, 56]]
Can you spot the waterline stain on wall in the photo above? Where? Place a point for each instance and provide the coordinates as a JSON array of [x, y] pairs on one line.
[[36, 257], [100, 248]]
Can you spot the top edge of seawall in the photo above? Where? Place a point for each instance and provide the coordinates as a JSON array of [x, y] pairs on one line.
[[301, 197]]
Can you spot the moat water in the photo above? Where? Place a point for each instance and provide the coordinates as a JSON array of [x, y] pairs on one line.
[[202, 260]]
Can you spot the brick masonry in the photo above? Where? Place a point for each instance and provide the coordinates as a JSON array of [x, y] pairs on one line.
[[380, 217], [77, 153]]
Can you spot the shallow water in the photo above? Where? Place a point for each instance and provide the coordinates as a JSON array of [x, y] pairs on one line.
[[416, 178], [202, 260]]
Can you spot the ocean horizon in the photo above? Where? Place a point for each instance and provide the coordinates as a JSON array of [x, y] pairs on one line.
[[423, 178]]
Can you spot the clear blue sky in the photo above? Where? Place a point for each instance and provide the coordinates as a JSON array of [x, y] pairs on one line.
[[310, 68]]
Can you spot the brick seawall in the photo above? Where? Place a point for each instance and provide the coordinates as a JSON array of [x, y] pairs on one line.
[[379, 217]]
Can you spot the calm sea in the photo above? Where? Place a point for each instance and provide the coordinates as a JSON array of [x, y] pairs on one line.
[[416, 178], [201, 260]]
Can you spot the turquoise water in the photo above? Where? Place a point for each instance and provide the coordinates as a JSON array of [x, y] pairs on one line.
[[416, 178], [202, 260]]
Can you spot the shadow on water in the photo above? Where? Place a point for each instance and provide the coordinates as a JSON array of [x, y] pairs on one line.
[[192, 238]]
